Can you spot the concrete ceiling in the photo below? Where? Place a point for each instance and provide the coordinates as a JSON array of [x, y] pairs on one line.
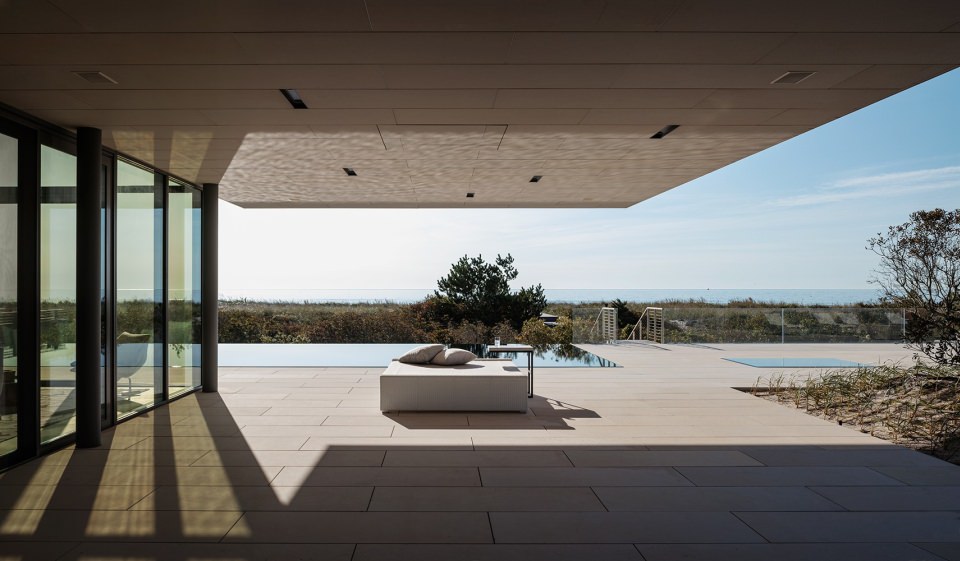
[[428, 100]]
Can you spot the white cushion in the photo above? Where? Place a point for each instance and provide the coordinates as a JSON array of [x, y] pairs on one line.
[[421, 354], [453, 357]]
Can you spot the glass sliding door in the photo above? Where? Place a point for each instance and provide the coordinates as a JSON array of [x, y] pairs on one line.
[[58, 293], [9, 179], [183, 287], [139, 342]]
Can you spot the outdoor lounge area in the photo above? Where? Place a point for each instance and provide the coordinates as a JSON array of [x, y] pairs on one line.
[[658, 460], [162, 162]]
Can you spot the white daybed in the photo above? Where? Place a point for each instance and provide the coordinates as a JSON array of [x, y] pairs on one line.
[[479, 385]]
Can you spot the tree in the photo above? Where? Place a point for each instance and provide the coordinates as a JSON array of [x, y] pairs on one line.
[[475, 290], [920, 270]]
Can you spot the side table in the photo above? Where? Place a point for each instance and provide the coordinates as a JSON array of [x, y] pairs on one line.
[[517, 348]]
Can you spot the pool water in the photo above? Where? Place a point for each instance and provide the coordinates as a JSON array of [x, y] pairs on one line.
[[380, 355]]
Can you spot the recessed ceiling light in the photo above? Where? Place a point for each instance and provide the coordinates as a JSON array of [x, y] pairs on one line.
[[793, 77], [470, 195], [536, 179], [294, 98], [95, 76], [665, 131], [350, 172]]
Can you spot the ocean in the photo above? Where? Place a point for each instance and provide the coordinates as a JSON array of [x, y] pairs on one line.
[[801, 296]]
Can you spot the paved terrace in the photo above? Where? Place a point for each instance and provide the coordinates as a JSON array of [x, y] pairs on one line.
[[658, 460]]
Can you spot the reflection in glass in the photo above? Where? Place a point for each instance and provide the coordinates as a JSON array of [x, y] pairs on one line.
[[183, 288], [139, 288], [58, 291], [8, 294]]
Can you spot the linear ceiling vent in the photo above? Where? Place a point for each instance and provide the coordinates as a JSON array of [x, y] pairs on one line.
[[665, 131], [95, 77], [294, 98], [793, 77], [350, 172], [536, 179], [469, 195]]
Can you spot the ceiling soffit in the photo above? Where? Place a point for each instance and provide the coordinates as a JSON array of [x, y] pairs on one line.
[[428, 101]]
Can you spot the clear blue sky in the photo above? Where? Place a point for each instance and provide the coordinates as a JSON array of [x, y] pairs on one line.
[[794, 216]]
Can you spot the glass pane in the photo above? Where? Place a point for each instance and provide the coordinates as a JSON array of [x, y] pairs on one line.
[[183, 285], [58, 278], [139, 245], [8, 294]]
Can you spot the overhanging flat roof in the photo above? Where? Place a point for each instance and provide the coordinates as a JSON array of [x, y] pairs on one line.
[[428, 100]]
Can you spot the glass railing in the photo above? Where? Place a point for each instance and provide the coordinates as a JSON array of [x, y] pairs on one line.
[[783, 325], [404, 316]]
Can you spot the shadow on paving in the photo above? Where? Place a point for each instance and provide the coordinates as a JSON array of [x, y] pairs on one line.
[[204, 494]]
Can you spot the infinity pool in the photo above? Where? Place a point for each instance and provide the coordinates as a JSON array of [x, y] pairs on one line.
[[380, 355]]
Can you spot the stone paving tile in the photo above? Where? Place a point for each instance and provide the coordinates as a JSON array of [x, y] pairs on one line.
[[120, 525], [365, 527], [276, 420], [815, 456], [323, 430], [74, 497], [23, 551], [800, 527], [206, 552], [439, 499], [213, 420], [365, 458], [943, 474], [287, 406], [946, 551], [177, 430], [712, 499], [284, 411], [620, 527], [581, 477], [362, 421], [450, 442], [221, 443], [633, 458], [250, 499], [496, 458], [502, 443], [785, 552], [927, 498], [784, 476], [495, 552], [319, 393], [773, 432], [140, 456], [374, 476], [261, 458], [139, 475]]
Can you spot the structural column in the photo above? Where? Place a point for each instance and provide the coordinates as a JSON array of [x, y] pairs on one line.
[[89, 184], [209, 286]]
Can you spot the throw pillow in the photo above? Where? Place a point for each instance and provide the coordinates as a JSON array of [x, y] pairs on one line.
[[421, 354], [453, 357]]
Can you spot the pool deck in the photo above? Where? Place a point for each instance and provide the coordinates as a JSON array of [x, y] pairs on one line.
[[658, 460]]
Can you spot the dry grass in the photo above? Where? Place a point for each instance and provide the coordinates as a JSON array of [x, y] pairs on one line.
[[916, 406]]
